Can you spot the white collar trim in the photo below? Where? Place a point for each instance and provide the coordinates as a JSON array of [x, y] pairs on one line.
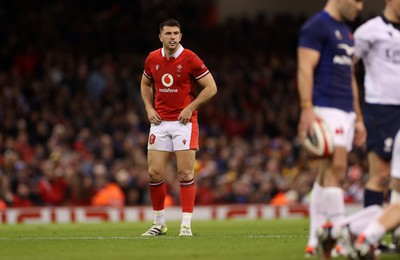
[[176, 54]]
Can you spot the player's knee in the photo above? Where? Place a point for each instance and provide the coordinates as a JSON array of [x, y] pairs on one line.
[[185, 175], [154, 175]]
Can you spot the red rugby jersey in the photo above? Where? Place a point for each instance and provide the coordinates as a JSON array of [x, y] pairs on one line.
[[174, 86]]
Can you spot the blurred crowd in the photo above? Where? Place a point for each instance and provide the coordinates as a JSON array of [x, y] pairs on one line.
[[73, 129]]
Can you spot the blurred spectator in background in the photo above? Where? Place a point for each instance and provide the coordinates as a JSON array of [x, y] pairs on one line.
[[22, 196], [108, 193], [52, 187]]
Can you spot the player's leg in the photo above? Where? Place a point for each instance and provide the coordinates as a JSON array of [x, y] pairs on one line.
[[395, 185], [395, 171], [159, 148], [185, 164], [185, 143], [317, 218], [395, 190], [333, 195], [341, 126], [346, 231], [378, 179], [382, 123], [390, 219], [157, 161], [333, 199], [359, 220], [373, 233], [317, 205]]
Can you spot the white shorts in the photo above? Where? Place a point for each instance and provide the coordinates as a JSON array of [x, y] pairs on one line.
[[340, 123], [395, 164], [173, 136]]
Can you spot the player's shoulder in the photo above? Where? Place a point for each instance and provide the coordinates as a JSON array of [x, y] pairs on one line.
[[316, 19], [315, 31], [189, 57], [188, 53], [317, 24], [370, 26], [155, 53]]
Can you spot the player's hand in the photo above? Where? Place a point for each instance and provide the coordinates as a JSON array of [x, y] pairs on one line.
[[153, 116], [360, 134], [306, 118], [185, 115]]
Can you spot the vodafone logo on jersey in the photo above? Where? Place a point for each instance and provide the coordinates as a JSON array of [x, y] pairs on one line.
[[167, 80]]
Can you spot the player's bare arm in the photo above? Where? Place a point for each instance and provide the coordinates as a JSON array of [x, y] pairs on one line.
[[147, 96], [209, 90], [307, 61], [360, 134]]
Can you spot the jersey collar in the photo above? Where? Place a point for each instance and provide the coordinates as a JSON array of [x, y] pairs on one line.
[[176, 54], [395, 25]]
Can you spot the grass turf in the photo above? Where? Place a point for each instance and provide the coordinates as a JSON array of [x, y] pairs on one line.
[[230, 239]]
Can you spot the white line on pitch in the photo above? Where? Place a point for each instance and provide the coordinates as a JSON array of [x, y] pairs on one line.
[[135, 238]]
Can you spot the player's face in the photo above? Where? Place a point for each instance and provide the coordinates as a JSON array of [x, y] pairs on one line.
[[349, 9], [170, 37]]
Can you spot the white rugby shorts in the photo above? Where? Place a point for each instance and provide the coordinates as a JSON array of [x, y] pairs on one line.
[[395, 163], [173, 136], [340, 123]]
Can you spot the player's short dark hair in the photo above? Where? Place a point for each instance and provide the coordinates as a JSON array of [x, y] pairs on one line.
[[169, 22]]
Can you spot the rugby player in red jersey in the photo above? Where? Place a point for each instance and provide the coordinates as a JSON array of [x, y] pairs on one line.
[[168, 87]]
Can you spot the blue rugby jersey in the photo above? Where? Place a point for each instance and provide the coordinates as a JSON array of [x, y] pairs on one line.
[[332, 76]]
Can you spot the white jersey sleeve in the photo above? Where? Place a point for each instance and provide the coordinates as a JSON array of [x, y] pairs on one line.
[[362, 41], [377, 43]]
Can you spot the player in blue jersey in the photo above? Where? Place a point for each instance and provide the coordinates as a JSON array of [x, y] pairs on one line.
[[377, 43], [328, 91]]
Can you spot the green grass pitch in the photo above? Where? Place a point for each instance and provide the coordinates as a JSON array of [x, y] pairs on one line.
[[229, 239]]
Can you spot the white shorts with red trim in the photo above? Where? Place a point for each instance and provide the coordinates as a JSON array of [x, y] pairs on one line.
[[340, 123], [173, 136]]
